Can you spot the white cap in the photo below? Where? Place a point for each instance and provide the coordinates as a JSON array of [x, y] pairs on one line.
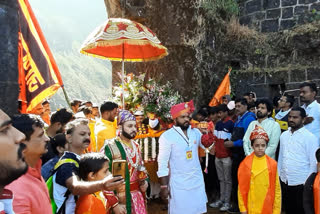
[[79, 115], [95, 105], [231, 105]]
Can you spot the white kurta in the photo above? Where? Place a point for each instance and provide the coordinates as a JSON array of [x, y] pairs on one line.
[[186, 182]]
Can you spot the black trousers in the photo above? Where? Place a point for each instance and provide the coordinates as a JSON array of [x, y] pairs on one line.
[[234, 173], [292, 198], [211, 179]]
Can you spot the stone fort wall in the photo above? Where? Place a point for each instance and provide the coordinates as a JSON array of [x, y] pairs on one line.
[[276, 15]]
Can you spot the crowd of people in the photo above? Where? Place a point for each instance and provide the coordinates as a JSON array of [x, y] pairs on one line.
[[245, 155], [264, 152]]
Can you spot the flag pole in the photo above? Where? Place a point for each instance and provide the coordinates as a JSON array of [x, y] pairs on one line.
[[66, 96]]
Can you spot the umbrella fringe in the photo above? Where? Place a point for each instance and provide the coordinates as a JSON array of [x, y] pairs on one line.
[[122, 41], [126, 60]]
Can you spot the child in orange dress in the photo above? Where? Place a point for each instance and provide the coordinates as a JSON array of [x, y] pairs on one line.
[[95, 167]]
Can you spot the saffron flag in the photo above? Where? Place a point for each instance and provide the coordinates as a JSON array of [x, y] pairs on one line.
[[223, 89], [39, 76]]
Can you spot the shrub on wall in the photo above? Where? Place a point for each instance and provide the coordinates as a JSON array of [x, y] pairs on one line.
[[224, 9]]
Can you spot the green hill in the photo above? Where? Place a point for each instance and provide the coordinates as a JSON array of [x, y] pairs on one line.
[[66, 24]]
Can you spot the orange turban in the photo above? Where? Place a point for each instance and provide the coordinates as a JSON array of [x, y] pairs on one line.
[[259, 133]]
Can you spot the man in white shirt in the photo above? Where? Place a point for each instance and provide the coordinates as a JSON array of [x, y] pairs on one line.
[[178, 153], [264, 109], [296, 160], [308, 92]]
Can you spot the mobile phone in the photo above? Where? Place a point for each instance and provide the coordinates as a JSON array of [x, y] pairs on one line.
[[119, 168]]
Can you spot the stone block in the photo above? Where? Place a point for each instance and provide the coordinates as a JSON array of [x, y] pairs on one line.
[[315, 6], [9, 87], [258, 60], [298, 76], [287, 24], [260, 15], [277, 77], [271, 61], [244, 77], [283, 60], [242, 11], [255, 25], [306, 1], [317, 82], [299, 10], [287, 12], [273, 14], [302, 19], [240, 89], [259, 77], [262, 90], [269, 4], [9, 97], [313, 73], [253, 6], [270, 25], [294, 88], [245, 20], [288, 3], [241, 80]]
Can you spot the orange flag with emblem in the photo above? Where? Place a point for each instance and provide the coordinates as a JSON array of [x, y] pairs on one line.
[[223, 89]]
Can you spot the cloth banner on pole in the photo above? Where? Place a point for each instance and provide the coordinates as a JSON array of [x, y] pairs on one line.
[[223, 89], [39, 76]]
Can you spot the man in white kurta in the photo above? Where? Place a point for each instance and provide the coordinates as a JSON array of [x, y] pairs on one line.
[[264, 108], [179, 167]]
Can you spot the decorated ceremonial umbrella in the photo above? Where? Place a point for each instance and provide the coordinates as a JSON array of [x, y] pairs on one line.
[[123, 40]]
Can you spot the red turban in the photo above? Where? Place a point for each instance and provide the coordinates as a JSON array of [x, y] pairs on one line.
[[259, 133], [181, 108]]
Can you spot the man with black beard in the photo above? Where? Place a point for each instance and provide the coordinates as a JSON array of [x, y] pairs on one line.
[[33, 197], [12, 164], [308, 93], [264, 110], [178, 153], [296, 160], [130, 195], [58, 121]]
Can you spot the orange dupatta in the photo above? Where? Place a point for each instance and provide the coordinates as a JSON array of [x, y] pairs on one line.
[[244, 178], [316, 193], [90, 204]]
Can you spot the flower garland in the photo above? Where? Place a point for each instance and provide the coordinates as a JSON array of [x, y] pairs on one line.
[[149, 148]]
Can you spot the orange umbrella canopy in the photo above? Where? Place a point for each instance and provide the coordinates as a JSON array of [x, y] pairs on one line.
[[123, 40]]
